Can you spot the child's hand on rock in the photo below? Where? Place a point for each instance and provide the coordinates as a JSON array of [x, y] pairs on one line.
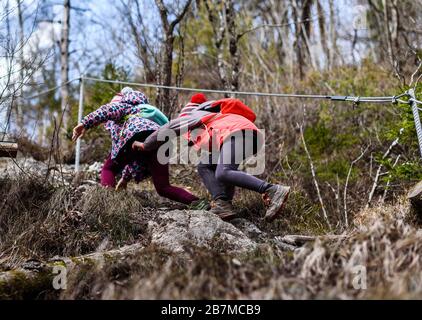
[[121, 185]]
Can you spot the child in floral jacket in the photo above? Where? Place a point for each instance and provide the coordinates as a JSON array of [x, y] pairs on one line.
[[129, 117]]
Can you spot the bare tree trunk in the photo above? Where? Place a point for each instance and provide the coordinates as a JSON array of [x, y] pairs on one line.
[[215, 17], [333, 36], [377, 33], [167, 64], [395, 23], [323, 34], [387, 32], [180, 70], [281, 52], [8, 91], [165, 73], [233, 44], [302, 14], [19, 111], [298, 43], [393, 35], [64, 71], [140, 38]]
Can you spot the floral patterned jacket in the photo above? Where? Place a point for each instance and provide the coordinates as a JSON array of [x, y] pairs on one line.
[[123, 128]]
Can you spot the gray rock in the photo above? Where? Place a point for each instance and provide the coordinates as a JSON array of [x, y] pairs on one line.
[[284, 246], [253, 232], [179, 229], [58, 174], [95, 167], [248, 228]]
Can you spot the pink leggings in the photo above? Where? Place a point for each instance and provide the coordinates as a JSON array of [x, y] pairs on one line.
[[159, 174]]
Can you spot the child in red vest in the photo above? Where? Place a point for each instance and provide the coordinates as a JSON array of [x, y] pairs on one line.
[[237, 138]]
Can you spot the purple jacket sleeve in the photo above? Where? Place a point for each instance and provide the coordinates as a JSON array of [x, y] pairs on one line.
[[127, 173], [110, 111], [134, 170]]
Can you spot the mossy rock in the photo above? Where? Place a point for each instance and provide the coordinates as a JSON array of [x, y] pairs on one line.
[[415, 197]]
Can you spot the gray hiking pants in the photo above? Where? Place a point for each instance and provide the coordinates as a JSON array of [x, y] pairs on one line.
[[220, 172]]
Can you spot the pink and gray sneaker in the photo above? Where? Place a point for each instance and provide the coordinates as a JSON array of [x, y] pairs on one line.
[[276, 198]]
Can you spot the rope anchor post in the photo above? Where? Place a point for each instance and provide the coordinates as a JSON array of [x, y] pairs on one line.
[[416, 117], [80, 114]]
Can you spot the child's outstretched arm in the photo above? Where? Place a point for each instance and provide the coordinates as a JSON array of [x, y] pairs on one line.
[[78, 132], [110, 111]]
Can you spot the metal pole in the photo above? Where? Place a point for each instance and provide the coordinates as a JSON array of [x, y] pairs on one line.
[[417, 119], [80, 114]]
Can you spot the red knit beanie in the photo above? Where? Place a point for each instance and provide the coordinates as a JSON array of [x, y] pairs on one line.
[[198, 98]]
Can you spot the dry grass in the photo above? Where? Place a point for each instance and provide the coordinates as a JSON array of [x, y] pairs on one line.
[[300, 216], [40, 221], [389, 249]]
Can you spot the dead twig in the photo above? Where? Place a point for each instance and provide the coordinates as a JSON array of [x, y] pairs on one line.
[[311, 164], [387, 186], [378, 174], [346, 220]]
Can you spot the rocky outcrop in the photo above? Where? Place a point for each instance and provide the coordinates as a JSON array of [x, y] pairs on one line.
[[249, 229], [415, 197], [178, 230], [175, 230], [58, 174]]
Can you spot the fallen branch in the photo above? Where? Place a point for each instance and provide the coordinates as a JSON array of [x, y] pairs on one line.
[[8, 149], [298, 240], [35, 277]]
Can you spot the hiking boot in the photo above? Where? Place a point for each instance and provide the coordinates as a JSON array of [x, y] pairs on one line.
[[276, 197], [200, 204], [223, 209]]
